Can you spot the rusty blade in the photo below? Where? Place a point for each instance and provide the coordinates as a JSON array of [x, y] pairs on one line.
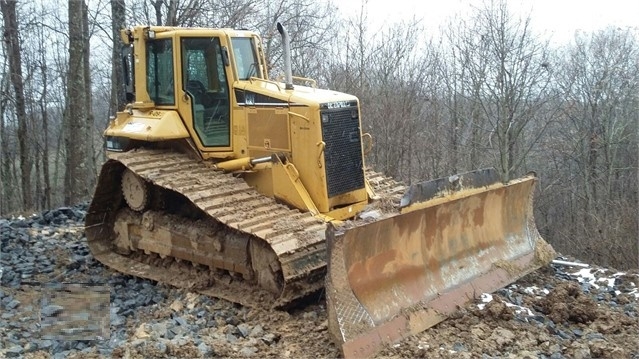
[[401, 275]]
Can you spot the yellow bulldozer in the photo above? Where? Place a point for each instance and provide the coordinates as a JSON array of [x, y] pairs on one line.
[[225, 182]]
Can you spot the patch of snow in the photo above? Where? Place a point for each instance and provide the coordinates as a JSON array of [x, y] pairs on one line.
[[520, 310], [597, 278], [609, 282], [531, 290], [485, 298], [372, 214], [586, 275], [536, 291]]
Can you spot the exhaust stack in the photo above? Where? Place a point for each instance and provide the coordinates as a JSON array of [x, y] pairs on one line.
[[286, 42]]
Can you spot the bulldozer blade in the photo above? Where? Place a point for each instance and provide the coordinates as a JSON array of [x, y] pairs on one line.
[[398, 276]]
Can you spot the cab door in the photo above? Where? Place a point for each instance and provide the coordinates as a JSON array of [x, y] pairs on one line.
[[206, 85]]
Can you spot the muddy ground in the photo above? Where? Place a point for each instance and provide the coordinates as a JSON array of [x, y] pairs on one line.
[[566, 323], [551, 313]]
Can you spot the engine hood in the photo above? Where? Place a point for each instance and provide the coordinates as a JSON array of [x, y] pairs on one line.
[[267, 93]]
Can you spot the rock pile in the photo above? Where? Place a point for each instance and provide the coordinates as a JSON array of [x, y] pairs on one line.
[[42, 254]]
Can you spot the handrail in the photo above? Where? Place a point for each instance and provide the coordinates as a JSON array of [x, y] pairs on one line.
[[302, 79], [267, 81], [312, 81]]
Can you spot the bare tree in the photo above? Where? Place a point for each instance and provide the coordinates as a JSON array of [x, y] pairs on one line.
[[460, 88], [12, 43], [77, 120], [46, 200], [5, 178], [400, 89], [510, 81], [170, 12], [311, 25], [598, 160], [118, 97], [347, 63]]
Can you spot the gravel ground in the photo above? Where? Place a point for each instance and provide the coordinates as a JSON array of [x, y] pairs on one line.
[[57, 301]]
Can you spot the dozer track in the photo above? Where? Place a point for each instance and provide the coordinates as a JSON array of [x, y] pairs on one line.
[[178, 221]]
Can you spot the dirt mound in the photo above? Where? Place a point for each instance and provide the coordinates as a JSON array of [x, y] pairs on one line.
[[547, 314], [498, 310], [567, 302]]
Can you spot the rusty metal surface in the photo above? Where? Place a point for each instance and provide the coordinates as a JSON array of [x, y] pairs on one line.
[[400, 275], [423, 191], [297, 239]]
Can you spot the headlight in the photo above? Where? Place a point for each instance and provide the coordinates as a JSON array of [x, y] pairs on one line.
[[116, 143]]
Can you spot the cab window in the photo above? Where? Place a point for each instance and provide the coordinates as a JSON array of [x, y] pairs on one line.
[[245, 58], [159, 71]]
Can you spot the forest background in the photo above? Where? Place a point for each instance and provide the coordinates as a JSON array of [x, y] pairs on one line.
[[485, 91]]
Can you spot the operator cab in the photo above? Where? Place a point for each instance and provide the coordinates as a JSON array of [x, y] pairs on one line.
[[199, 86]]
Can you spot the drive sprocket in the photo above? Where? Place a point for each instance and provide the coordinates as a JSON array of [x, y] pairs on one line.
[[135, 191]]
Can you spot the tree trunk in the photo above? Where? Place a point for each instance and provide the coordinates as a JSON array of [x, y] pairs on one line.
[[89, 122], [157, 5], [118, 96], [4, 158], [454, 134], [171, 16], [12, 40], [75, 139], [46, 199]]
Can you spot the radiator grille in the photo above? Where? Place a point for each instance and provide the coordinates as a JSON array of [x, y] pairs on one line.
[[343, 152]]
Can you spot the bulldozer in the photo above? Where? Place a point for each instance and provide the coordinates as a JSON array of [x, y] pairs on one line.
[[223, 181]]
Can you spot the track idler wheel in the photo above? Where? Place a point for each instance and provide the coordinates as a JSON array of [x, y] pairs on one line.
[[135, 191]]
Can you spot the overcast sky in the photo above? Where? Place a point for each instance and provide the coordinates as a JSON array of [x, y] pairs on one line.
[[557, 18]]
